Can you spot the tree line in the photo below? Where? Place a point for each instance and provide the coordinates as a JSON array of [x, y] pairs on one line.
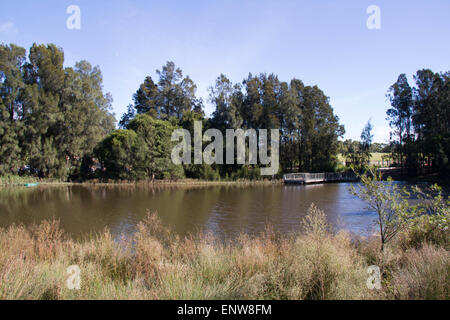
[[358, 153], [420, 119], [309, 129], [56, 121], [50, 116]]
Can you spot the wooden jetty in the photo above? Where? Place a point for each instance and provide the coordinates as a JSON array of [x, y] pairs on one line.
[[308, 178]]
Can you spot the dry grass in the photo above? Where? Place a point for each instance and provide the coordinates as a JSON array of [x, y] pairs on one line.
[[155, 264]]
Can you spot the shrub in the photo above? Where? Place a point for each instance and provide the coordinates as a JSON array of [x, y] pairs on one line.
[[423, 274]]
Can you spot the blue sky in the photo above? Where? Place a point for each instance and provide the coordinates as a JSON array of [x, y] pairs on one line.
[[320, 42]]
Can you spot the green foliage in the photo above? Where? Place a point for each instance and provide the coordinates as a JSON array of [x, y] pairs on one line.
[[388, 200], [358, 154], [9, 179], [50, 116], [202, 172], [419, 117], [171, 97], [427, 220], [247, 173], [366, 142], [11, 61], [156, 137], [432, 223], [120, 152], [142, 151], [309, 130], [350, 150]]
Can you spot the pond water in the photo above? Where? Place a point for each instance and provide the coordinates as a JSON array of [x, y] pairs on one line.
[[224, 211]]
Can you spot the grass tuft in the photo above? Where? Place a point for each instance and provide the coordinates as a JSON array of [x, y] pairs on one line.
[[155, 264]]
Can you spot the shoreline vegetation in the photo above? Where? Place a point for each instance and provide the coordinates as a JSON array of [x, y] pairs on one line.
[[56, 122], [316, 263], [412, 253], [12, 181], [156, 264]]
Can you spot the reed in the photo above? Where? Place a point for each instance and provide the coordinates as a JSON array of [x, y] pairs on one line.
[[156, 264]]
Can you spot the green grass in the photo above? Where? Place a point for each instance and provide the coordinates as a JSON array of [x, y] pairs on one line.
[[377, 156], [17, 180], [156, 264], [11, 180], [374, 156]]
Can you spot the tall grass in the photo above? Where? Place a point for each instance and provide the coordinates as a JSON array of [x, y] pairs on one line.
[[16, 179], [156, 264]]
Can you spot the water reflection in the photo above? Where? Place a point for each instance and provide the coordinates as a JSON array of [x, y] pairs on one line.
[[223, 210]]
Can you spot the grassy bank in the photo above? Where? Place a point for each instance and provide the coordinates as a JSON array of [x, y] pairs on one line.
[[155, 264], [16, 180], [185, 182], [20, 181]]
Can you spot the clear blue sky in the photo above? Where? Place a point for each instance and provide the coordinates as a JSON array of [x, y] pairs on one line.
[[320, 42]]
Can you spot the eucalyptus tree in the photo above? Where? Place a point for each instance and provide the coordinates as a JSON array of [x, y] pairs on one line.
[[400, 114], [171, 97], [366, 143], [50, 116], [12, 59]]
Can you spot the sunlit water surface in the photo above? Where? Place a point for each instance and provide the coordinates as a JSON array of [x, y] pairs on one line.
[[221, 210]]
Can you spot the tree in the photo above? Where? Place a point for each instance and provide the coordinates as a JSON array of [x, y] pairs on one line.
[[400, 114], [87, 118], [365, 144], [420, 119], [351, 152], [155, 135], [388, 201], [12, 59], [145, 99], [127, 116], [320, 130], [427, 219], [431, 117], [171, 97], [50, 116], [121, 154], [227, 99], [309, 129]]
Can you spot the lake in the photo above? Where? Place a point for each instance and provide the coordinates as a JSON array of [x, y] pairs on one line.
[[224, 211]]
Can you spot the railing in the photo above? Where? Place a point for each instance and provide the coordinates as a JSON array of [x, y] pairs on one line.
[[319, 177]]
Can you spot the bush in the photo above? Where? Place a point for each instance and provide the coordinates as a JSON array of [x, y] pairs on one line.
[[120, 154], [423, 274], [247, 173], [143, 151]]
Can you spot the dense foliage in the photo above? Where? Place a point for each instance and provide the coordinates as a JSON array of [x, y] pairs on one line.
[[50, 116], [309, 130], [308, 127], [55, 121], [420, 119], [139, 152]]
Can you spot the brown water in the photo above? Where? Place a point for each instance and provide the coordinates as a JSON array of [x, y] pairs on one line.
[[223, 210]]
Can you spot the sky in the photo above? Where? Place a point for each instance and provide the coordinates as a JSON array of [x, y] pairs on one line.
[[324, 43]]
